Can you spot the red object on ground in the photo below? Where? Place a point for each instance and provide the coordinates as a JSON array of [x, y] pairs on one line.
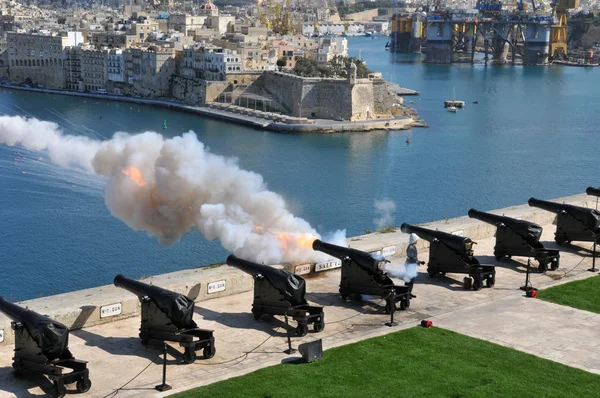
[[534, 294], [426, 323]]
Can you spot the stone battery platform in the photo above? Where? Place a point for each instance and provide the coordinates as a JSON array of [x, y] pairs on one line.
[[502, 315]]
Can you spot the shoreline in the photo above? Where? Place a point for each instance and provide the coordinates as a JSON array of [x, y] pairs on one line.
[[248, 117]]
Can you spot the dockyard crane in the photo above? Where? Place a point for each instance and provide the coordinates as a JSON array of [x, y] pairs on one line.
[[558, 31]]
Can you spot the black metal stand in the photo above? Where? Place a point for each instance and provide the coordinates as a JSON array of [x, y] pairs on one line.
[[392, 311], [290, 350], [593, 269], [164, 386], [527, 285]]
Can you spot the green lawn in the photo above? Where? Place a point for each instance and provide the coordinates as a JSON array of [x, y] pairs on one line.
[[581, 294], [416, 362]]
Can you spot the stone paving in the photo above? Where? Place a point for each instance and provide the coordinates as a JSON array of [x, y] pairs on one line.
[[502, 315]]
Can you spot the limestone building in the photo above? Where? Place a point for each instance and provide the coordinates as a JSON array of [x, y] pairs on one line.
[[36, 59]]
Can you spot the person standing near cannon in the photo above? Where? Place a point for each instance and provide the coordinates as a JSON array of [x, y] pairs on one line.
[[412, 262]]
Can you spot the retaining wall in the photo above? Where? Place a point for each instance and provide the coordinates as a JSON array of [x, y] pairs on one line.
[[99, 305]]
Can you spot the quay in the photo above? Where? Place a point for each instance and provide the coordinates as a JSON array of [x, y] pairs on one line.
[[272, 121], [118, 362]]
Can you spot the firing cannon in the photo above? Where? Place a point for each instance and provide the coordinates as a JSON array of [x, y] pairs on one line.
[[593, 191], [363, 273], [41, 346], [280, 292], [167, 316], [450, 253], [574, 223], [518, 238]]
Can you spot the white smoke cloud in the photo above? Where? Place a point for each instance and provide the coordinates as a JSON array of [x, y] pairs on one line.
[[405, 272], [168, 186], [385, 209]]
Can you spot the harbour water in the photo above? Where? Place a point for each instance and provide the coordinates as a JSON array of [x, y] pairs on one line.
[[534, 132]]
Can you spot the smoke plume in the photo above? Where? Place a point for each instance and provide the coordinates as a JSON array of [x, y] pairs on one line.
[[166, 186], [385, 209], [405, 272]]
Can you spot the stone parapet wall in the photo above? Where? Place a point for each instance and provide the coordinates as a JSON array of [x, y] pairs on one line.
[[83, 308]]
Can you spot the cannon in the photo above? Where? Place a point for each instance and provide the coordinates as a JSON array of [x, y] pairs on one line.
[[280, 292], [593, 191], [453, 254], [574, 223], [363, 273], [167, 316], [519, 238], [41, 346]]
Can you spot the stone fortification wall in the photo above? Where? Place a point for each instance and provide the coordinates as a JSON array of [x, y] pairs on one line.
[[85, 308], [328, 98]]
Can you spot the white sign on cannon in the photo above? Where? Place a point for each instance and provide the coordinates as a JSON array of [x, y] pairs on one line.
[[328, 265], [388, 251]]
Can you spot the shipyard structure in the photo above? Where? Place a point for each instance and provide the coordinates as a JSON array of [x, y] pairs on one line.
[[505, 33]]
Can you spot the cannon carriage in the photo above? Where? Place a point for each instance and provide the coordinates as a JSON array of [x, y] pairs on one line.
[[519, 238], [363, 273], [41, 346], [167, 316], [280, 292], [450, 253]]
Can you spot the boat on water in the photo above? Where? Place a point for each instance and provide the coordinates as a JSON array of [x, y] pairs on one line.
[[452, 109], [454, 103], [369, 33]]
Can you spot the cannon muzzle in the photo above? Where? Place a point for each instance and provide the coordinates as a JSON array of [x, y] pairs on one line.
[[290, 285], [51, 337], [593, 191], [364, 259], [457, 243], [177, 307]]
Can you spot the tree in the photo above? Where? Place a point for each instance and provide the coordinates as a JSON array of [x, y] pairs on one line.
[[282, 62]]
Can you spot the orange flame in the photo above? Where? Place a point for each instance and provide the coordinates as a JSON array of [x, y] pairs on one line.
[[258, 228], [304, 241], [135, 175]]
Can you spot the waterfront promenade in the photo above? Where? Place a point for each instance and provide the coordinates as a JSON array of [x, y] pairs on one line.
[[501, 314], [251, 117]]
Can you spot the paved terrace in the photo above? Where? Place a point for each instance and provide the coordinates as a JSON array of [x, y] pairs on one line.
[[502, 315]]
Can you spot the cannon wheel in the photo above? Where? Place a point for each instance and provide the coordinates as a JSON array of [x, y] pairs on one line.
[[209, 351], [477, 284], [319, 326], [554, 265], [58, 392], [543, 266], [84, 385], [301, 330], [189, 356], [467, 282], [405, 303], [490, 281]]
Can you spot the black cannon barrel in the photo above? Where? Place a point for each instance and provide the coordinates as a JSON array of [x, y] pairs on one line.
[[363, 259], [52, 337], [593, 191], [458, 243], [177, 307], [528, 230], [291, 286], [589, 217]]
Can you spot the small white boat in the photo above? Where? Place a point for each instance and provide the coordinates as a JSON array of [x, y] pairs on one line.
[[452, 109]]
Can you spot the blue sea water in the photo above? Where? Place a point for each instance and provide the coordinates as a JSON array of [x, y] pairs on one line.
[[533, 133]]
